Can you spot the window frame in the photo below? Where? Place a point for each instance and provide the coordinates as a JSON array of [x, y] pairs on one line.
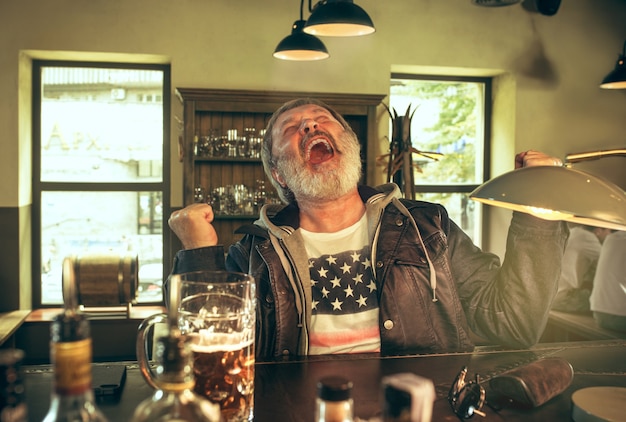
[[487, 123], [39, 186]]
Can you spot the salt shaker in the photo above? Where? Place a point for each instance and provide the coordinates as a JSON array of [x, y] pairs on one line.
[[407, 398]]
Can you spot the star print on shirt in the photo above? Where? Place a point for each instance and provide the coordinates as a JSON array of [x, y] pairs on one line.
[[343, 283]]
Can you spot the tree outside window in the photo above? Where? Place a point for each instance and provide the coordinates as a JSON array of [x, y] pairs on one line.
[[451, 117]]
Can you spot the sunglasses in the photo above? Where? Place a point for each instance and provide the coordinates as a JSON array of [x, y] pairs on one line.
[[466, 398]]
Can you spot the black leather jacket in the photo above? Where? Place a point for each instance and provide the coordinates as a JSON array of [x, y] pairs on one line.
[[506, 304]]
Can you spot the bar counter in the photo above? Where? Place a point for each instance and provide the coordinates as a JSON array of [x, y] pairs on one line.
[[285, 390]]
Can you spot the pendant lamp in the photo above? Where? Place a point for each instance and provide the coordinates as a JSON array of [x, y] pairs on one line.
[[617, 78], [338, 18], [559, 193], [299, 45]]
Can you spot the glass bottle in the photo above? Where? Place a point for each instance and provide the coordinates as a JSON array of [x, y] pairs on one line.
[[12, 402], [174, 399], [70, 354], [334, 400]]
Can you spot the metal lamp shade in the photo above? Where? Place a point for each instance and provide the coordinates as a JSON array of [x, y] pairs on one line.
[[617, 78], [339, 18], [300, 46], [557, 193]]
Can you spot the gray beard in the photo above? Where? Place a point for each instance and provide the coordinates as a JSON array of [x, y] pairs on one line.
[[328, 185]]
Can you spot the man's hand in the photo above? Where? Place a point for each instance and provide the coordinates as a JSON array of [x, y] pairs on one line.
[[193, 227], [535, 158]]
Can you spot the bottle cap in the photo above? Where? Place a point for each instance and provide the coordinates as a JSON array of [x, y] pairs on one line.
[[69, 326], [334, 388]]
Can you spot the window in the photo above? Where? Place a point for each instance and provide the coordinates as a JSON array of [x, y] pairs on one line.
[[100, 155], [452, 118]]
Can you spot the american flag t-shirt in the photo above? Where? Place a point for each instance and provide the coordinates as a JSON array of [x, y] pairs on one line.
[[344, 293]]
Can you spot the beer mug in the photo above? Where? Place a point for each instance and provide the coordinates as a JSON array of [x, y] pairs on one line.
[[216, 310]]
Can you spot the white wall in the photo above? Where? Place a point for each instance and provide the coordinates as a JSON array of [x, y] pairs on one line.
[[228, 44]]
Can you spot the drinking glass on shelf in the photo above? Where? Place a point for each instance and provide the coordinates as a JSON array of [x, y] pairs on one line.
[[260, 195], [204, 147], [212, 141], [239, 193], [237, 199], [199, 194], [254, 149], [220, 200], [248, 204], [249, 134], [232, 142], [221, 146], [242, 147]]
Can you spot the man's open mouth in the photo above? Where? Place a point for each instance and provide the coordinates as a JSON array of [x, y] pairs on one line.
[[319, 150]]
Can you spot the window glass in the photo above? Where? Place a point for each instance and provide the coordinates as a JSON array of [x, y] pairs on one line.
[[462, 210], [83, 223], [95, 133], [448, 118], [99, 183]]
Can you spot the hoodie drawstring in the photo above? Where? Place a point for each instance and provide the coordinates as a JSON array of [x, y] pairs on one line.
[[431, 266]]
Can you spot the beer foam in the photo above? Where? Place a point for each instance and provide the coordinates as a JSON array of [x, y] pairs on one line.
[[207, 342]]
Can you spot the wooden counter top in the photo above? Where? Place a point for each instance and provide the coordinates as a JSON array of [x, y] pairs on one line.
[[120, 312], [10, 322]]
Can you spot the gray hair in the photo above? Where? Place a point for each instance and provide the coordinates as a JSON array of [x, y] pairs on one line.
[[269, 163]]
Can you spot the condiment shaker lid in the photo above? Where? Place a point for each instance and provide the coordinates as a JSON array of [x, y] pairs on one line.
[[334, 388]]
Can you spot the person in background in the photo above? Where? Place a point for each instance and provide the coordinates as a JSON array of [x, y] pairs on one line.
[[578, 268], [608, 296], [344, 268]]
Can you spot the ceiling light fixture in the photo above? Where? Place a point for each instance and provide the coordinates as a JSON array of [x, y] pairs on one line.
[[559, 193], [617, 78], [338, 18], [299, 45]]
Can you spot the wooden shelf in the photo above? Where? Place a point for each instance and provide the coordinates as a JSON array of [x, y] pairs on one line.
[[10, 322]]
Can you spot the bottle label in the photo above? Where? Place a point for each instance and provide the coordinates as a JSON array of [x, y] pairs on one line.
[[72, 366]]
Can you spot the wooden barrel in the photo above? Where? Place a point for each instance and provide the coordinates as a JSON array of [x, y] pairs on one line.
[[106, 279]]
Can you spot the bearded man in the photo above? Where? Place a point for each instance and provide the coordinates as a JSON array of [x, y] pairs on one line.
[[344, 268]]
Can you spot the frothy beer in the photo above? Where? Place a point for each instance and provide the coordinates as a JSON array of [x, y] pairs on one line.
[[224, 373]]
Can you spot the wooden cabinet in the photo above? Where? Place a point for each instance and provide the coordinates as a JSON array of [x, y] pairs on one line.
[[219, 128]]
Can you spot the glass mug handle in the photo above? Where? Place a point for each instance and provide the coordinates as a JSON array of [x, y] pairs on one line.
[[142, 344]]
